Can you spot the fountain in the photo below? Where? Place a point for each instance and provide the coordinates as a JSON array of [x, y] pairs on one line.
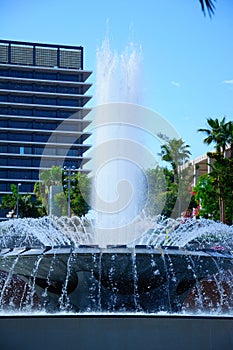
[[117, 261], [66, 272]]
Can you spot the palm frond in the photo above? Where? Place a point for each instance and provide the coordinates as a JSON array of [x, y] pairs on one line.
[[207, 5]]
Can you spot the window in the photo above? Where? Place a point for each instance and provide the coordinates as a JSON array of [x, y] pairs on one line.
[[4, 86], [45, 126], [4, 98], [68, 77], [67, 90], [38, 150], [4, 174], [20, 124], [28, 187], [50, 151], [44, 88], [3, 161], [20, 99], [72, 163], [19, 137], [20, 111], [3, 123], [4, 72], [3, 136], [44, 113], [3, 149], [72, 153], [67, 102], [19, 161], [64, 114], [4, 110], [27, 150], [40, 138], [21, 73], [36, 162], [45, 75], [13, 149], [21, 87], [3, 187], [45, 100]]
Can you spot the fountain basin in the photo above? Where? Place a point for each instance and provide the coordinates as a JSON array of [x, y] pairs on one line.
[[112, 279]]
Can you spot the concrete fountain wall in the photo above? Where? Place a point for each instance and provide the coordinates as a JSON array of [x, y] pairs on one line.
[[116, 332]]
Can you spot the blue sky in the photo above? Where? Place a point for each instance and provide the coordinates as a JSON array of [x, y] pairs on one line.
[[187, 58]]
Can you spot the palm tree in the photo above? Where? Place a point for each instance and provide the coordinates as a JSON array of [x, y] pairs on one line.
[[48, 178], [218, 133], [176, 153], [52, 176], [229, 130], [207, 5]]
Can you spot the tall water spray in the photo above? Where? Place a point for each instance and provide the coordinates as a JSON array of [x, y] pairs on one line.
[[119, 179], [118, 76]]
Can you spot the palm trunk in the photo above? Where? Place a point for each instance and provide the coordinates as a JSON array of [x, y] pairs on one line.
[[176, 180], [222, 210], [222, 207]]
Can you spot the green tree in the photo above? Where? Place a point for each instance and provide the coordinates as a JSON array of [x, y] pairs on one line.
[[175, 152], [221, 134], [48, 178], [171, 193], [27, 205], [229, 131], [222, 177], [79, 195], [156, 191], [207, 196], [165, 196], [79, 190]]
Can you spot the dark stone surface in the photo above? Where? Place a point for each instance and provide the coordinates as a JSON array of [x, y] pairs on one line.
[[116, 332]]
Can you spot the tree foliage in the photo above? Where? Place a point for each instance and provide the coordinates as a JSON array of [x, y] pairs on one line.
[[207, 5], [79, 190], [175, 152], [48, 178], [79, 195], [27, 205], [156, 191], [207, 196], [165, 196], [221, 134]]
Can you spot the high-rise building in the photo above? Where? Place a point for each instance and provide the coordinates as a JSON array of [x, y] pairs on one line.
[[42, 115]]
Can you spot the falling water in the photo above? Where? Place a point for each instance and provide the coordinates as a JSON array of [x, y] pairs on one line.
[[118, 278]]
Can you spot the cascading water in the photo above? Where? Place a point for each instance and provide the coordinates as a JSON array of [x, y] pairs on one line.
[[150, 275]]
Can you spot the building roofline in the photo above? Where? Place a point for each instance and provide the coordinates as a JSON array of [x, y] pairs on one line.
[[31, 43]]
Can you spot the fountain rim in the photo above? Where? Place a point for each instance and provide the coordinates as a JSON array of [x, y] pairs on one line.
[[112, 249], [119, 316]]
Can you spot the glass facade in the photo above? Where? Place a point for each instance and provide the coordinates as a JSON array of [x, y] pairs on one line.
[[42, 104]]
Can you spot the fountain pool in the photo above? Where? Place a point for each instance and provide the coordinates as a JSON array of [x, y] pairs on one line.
[[63, 270]]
